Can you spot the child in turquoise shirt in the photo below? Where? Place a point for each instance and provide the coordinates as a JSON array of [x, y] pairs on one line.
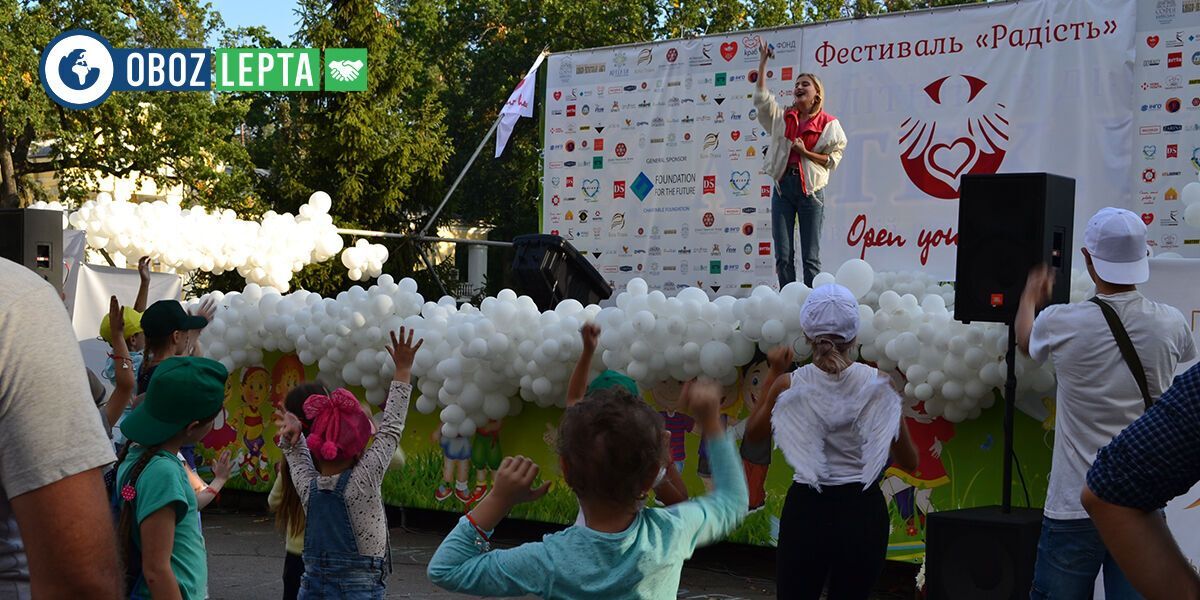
[[160, 533], [610, 450]]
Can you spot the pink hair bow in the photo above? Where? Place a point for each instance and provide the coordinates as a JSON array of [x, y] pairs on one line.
[[326, 414]]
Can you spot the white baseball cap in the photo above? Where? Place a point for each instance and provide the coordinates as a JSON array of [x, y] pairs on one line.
[[1116, 240], [830, 310]]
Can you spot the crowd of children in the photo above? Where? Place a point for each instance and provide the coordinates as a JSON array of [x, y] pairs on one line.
[[837, 422]]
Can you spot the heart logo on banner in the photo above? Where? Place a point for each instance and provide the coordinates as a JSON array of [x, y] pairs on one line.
[[1152, 41], [591, 187], [735, 134], [728, 50], [739, 180], [1147, 218], [558, 94], [555, 181], [952, 159]]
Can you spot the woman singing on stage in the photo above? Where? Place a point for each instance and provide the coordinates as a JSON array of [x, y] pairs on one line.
[[806, 146]]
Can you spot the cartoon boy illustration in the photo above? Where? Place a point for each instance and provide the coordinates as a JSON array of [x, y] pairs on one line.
[[456, 457], [912, 490], [485, 456], [756, 456], [287, 373], [666, 397], [256, 389]]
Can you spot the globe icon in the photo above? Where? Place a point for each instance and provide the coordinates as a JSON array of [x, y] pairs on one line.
[[75, 72]]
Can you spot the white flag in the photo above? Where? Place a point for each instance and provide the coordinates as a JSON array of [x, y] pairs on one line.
[[520, 104]]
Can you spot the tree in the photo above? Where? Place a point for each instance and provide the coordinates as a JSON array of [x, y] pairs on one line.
[[173, 138]]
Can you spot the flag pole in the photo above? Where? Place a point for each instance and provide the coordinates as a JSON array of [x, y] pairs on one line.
[[471, 161]]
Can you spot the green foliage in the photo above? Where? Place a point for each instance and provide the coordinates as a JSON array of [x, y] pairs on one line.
[[173, 138], [439, 71]]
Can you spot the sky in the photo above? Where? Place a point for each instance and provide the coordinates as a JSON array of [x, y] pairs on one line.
[[277, 15]]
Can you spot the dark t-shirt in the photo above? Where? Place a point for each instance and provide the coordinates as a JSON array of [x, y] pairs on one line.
[[757, 453], [143, 379]]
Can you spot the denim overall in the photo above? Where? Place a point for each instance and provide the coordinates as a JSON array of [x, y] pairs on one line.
[[333, 568]]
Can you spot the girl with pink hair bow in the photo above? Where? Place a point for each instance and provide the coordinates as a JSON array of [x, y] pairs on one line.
[[339, 483]]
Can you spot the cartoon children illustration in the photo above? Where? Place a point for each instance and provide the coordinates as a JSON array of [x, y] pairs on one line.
[[287, 373], [456, 457], [256, 387], [912, 491], [485, 456], [756, 456], [666, 397], [224, 431]]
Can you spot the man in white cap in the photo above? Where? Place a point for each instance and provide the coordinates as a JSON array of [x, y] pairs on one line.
[[1098, 395]]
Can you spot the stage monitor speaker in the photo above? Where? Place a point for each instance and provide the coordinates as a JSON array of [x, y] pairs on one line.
[[550, 270], [981, 553], [1008, 223], [34, 238]]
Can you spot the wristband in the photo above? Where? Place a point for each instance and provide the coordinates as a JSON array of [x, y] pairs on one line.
[[215, 492], [483, 541]]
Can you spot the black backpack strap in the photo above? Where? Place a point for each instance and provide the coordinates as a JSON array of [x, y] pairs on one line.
[[1126, 346]]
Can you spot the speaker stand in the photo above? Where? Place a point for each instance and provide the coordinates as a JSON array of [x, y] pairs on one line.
[[1010, 403]]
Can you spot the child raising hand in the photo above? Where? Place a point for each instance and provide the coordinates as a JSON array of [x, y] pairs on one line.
[[346, 535], [610, 449]]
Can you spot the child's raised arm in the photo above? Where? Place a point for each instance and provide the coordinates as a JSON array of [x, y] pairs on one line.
[[123, 375], [709, 518], [461, 564], [295, 451], [403, 351], [143, 285], [577, 386]]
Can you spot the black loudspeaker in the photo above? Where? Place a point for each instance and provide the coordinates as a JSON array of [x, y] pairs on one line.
[[1007, 224], [34, 238], [981, 553], [550, 270]]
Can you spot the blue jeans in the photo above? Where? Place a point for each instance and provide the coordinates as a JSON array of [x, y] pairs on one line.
[[1070, 554], [789, 205]]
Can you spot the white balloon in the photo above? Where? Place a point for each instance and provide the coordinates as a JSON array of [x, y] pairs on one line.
[[856, 275], [1190, 194]]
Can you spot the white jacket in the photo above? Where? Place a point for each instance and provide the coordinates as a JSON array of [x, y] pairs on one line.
[[831, 142]]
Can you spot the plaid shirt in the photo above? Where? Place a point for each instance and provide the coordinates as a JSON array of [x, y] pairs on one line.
[[1157, 457]]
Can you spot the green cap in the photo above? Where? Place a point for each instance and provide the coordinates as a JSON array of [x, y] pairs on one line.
[[166, 317], [612, 378], [183, 389]]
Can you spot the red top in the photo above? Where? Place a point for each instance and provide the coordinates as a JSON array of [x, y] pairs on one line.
[[807, 131]]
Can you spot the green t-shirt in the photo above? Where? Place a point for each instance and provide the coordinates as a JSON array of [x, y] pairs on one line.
[[164, 482]]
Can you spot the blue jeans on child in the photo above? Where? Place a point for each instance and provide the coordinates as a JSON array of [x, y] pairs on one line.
[[333, 568], [1070, 554], [788, 205]]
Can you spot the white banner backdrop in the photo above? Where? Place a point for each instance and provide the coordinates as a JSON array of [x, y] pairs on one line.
[[1166, 153], [1033, 87], [74, 247], [653, 158], [95, 284]]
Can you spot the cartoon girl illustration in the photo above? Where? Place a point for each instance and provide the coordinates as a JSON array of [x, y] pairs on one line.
[[486, 456], [224, 431], [256, 386], [287, 373], [912, 490]]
